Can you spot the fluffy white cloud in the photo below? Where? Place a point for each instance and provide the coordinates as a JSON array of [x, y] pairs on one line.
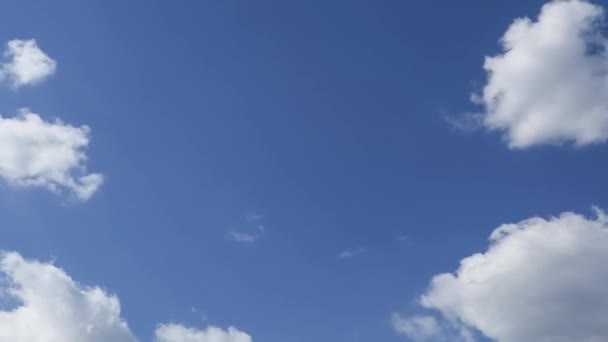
[[54, 308], [539, 281], [550, 85], [179, 333], [27, 64], [46, 154]]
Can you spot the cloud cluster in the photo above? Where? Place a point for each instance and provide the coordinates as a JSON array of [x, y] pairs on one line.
[[540, 280], [35, 152], [26, 64], [550, 85], [46, 154], [54, 308]]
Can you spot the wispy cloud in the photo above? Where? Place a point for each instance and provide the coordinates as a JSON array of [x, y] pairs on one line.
[[402, 237], [468, 122], [351, 253], [250, 231], [241, 237], [253, 217]]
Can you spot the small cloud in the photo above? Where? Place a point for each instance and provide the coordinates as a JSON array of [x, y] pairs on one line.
[[253, 217], [402, 237], [250, 232], [242, 237], [467, 123], [351, 253], [46, 154], [27, 64], [417, 328], [199, 313]]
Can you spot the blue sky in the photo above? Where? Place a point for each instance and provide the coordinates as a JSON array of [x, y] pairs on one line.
[[324, 120]]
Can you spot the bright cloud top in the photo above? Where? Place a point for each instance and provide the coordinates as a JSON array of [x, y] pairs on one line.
[[179, 333], [54, 308], [46, 154], [550, 85], [540, 280], [26, 63]]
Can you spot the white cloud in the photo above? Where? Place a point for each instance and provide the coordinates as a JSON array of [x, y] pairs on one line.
[[179, 333], [27, 64], [351, 253], [550, 85], [242, 237], [46, 154], [54, 308], [539, 281]]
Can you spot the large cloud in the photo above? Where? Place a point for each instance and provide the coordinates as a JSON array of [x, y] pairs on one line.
[[46, 154], [54, 308], [550, 85], [26, 63], [539, 281]]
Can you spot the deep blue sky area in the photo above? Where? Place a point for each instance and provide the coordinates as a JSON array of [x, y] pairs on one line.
[[325, 117]]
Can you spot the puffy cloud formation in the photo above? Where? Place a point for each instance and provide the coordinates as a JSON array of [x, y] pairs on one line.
[[46, 154], [550, 85], [179, 333], [539, 281], [54, 308], [27, 64]]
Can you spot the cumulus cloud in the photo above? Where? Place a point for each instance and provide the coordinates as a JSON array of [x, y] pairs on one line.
[[26, 63], [180, 333], [52, 307], [37, 153], [550, 85], [540, 280]]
